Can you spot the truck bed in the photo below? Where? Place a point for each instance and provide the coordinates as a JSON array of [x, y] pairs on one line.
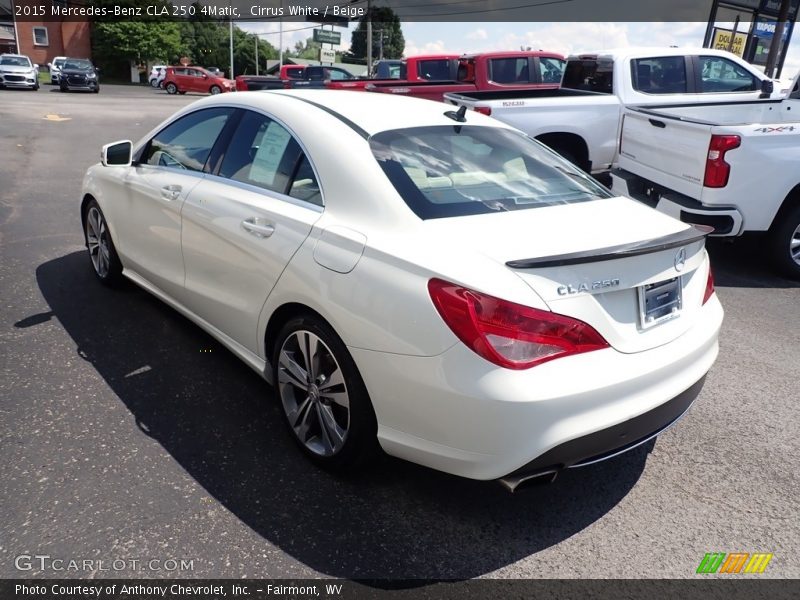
[[526, 93]]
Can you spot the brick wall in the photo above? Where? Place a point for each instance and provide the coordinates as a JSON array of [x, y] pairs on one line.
[[65, 38]]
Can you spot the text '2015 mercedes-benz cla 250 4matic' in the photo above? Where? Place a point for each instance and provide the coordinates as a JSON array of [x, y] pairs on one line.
[[428, 282]]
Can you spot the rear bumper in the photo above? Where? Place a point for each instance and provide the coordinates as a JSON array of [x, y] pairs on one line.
[[726, 221], [457, 413], [610, 442]]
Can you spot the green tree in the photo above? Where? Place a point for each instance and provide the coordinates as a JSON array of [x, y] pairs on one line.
[[386, 32], [308, 49], [116, 42]]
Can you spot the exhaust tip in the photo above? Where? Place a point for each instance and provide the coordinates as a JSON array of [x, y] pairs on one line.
[[513, 482]]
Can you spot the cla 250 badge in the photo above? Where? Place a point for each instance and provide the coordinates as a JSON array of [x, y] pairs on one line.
[[566, 290]]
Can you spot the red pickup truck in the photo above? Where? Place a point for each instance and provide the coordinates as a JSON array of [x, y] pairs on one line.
[[429, 67], [486, 71]]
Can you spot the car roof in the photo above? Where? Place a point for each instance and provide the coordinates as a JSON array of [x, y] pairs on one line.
[[375, 112], [367, 113]]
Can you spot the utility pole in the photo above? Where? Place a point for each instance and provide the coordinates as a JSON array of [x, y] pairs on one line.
[[777, 38], [369, 35], [256, 36], [230, 33]]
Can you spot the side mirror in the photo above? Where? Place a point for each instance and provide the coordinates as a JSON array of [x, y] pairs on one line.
[[117, 154], [205, 76], [767, 87]]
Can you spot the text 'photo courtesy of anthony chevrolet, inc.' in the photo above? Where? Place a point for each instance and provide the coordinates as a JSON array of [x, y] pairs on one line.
[[399, 299]]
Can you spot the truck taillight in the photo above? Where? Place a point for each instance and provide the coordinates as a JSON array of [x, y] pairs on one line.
[[717, 170], [484, 110]]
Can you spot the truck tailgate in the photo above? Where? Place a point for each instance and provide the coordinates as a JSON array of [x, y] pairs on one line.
[[666, 150]]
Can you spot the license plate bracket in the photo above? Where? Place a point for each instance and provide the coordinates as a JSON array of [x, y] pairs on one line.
[[659, 302]]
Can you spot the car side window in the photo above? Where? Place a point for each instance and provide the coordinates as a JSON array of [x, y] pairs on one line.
[[719, 74], [551, 69], [186, 143], [659, 75], [264, 154], [510, 70]]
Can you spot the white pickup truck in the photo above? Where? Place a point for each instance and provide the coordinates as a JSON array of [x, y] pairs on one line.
[[581, 119], [733, 166]]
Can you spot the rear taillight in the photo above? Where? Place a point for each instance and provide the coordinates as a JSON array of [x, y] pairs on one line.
[[484, 110], [507, 334], [709, 286], [717, 170]]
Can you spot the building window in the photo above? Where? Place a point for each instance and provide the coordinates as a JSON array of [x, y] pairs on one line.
[[40, 36]]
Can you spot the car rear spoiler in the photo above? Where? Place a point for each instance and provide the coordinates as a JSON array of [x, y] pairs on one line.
[[687, 236]]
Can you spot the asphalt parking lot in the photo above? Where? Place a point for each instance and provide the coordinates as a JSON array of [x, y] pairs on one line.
[[126, 433]]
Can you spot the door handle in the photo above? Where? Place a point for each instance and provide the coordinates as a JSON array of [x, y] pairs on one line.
[[171, 192], [258, 227]]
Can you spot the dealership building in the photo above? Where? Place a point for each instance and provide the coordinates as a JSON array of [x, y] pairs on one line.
[[41, 37]]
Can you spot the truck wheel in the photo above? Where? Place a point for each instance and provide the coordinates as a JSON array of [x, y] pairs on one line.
[[785, 242]]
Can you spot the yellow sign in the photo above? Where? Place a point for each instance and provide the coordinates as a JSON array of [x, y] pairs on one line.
[[722, 39]]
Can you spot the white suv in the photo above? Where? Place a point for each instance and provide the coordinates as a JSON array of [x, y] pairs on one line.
[[55, 69], [17, 70], [157, 74]]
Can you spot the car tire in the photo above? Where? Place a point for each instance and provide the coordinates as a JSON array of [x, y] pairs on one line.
[[323, 399], [154, 82], [102, 253], [63, 89], [35, 88], [171, 88], [214, 90], [785, 243], [96, 90]]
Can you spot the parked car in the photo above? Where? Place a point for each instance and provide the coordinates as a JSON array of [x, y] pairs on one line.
[[497, 314], [156, 76], [215, 71], [423, 68], [55, 68], [732, 166], [180, 80], [79, 74], [17, 71], [581, 120]]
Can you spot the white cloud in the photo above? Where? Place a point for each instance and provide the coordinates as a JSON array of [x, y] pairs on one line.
[[478, 34], [435, 47]]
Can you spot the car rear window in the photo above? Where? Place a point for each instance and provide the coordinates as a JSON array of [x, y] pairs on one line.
[[453, 171]]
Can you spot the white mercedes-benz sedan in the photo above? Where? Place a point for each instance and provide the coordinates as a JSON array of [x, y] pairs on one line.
[[428, 282]]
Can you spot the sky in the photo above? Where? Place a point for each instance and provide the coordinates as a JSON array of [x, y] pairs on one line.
[[563, 37]]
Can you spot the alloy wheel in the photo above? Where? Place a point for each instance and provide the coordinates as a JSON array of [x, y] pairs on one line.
[[98, 242], [794, 246], [313, 393]]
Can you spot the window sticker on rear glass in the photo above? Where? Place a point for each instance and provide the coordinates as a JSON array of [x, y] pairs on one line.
[[268, 156]]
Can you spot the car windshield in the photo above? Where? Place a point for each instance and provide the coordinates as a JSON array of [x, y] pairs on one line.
[[78, 65], [452, 171], [15, 61]]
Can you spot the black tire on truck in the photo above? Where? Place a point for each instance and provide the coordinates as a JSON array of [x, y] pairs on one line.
[[784, 241]]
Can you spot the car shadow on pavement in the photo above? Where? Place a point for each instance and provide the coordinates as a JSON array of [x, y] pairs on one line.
[[219, 421], [745, 263]]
